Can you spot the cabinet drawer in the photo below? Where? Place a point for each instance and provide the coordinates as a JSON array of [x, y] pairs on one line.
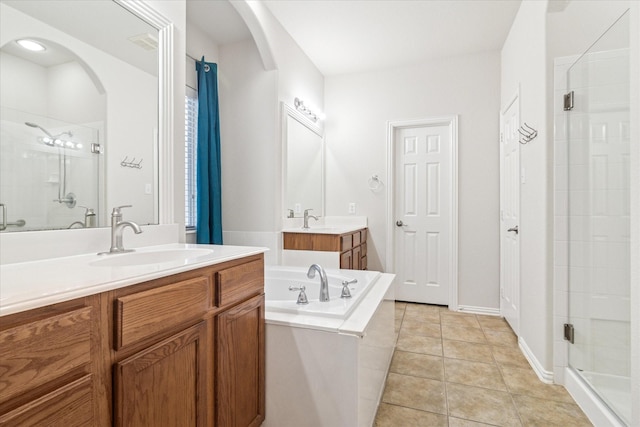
[[68, 406], [346, 242], [38, 352], [363, 235], [148, 313], [355, 237], [240, 282]]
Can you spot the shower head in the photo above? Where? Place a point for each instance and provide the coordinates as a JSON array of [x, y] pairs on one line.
[[34, 125]]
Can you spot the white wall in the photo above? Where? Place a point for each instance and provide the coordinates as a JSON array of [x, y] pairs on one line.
[[635, 212], [251, 146], [524, 68], [358, 108]]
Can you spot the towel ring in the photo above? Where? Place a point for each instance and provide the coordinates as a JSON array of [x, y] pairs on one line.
[[374, 183]]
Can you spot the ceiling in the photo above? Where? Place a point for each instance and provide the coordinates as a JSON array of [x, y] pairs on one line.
[[349, 36], [102, 24]]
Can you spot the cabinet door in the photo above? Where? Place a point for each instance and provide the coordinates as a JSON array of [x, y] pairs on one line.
[[164, 385], [345, 260], [355, 261], [240, 350]]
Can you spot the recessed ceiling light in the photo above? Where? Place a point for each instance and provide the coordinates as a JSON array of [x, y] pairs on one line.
[[31, 45]]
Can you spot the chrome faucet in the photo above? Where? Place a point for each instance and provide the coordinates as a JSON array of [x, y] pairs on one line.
[[306, 218], [117, 227], [324, 283]]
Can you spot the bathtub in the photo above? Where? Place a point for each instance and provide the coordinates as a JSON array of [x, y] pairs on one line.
[[327, 361], [280, 299]]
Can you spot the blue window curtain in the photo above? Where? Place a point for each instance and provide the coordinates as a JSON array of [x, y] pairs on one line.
[[208, 185]]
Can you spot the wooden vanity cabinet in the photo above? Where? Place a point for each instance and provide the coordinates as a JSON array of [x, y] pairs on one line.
[[204, 364], [183, 350], [352, 246]]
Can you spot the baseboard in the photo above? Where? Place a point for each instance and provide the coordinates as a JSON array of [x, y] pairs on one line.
[[544, 375], [479, 310]]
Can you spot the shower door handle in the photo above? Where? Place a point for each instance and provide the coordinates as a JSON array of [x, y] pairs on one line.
[[514, 229]]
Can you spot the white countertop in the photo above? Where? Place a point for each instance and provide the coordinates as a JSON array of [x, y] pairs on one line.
[[326, 225], [337, 230], [28, 285]]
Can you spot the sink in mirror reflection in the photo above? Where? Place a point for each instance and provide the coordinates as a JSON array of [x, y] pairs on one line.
[[132, 259]]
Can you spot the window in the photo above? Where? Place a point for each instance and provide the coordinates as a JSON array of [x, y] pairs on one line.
[[190, 155]]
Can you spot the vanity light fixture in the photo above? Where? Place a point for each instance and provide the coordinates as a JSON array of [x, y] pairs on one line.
[[299, 104], [31, 45]]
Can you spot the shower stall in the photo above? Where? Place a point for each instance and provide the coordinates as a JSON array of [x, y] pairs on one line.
[[597, 223], [49, 174]]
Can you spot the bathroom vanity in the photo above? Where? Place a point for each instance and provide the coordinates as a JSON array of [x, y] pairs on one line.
[[164, 343], [348, 245]]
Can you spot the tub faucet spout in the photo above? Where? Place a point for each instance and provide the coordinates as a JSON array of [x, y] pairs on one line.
[[324, 283]]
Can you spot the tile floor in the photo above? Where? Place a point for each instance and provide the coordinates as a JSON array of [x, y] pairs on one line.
[[463, 370]]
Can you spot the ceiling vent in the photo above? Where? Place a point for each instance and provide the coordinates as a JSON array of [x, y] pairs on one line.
[[146, 41]]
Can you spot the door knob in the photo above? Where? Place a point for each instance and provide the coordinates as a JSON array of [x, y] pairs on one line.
[[400, 223], [514, 229]]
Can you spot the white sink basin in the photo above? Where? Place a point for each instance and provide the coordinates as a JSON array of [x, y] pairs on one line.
[[180, 256]]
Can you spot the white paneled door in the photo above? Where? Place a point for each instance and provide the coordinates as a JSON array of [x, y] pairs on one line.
[[510, 215], [423, 196]]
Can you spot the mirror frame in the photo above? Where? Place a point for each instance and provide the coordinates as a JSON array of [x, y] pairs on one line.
[[287, 113], [164, 196]]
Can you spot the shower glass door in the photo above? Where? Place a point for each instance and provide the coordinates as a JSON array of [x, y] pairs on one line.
[[599, 225]]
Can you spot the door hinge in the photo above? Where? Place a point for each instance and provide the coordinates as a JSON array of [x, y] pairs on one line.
[[501, 137], [568, 332], [568, 101], [96, 148]]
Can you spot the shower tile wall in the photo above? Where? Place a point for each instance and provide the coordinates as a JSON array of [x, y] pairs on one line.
[[591, 203], [29, 175]]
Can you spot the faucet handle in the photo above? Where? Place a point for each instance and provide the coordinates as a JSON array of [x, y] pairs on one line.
[[302, 296], [346, 292], [116, 210], [306, 211]]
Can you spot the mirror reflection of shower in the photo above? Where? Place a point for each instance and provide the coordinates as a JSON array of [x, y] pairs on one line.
[[62, 145]]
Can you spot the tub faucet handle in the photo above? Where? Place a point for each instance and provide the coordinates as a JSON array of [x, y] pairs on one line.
[[302, 296], [346, 292]]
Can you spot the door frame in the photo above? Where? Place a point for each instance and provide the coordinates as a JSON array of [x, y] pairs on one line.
[[392, 126]]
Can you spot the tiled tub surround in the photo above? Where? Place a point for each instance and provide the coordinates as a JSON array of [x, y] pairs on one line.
[[455, 369]]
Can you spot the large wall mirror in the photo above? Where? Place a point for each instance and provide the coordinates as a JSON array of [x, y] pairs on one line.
[[303, 155], [79, 118]]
